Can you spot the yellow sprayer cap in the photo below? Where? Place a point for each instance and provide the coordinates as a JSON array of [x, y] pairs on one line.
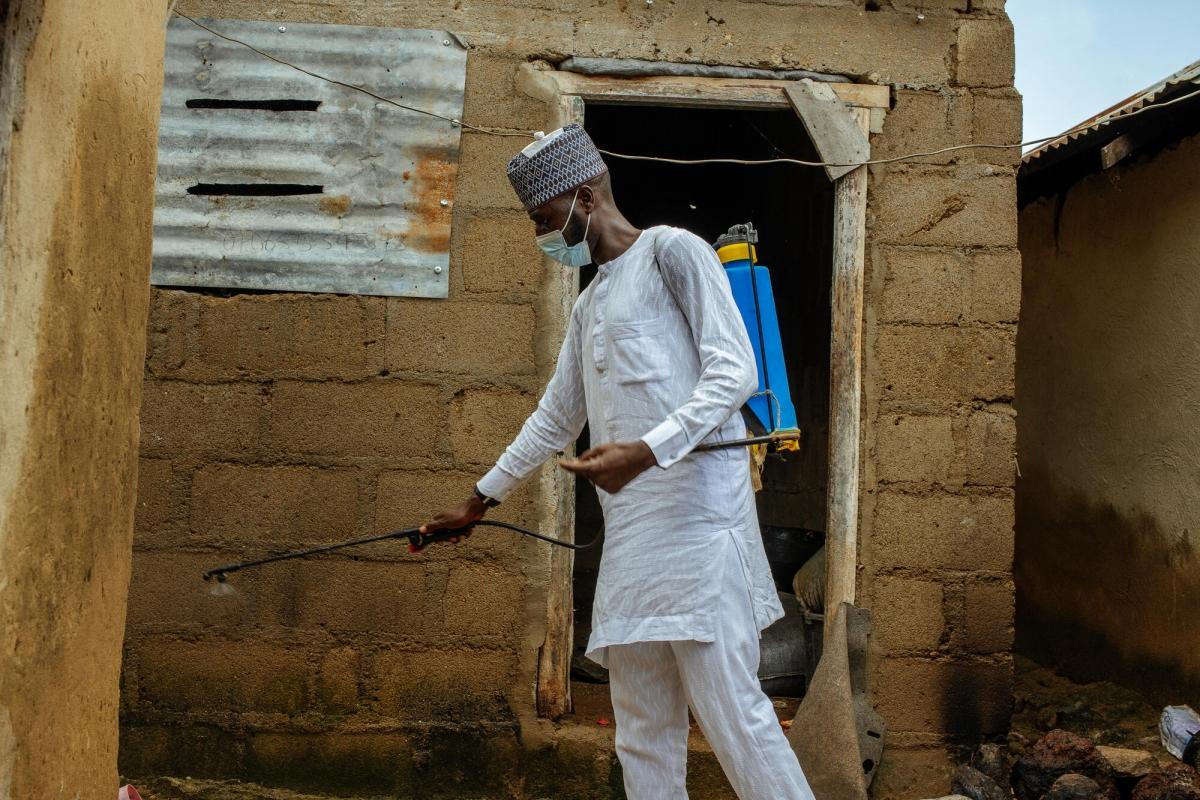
[[738, 251]]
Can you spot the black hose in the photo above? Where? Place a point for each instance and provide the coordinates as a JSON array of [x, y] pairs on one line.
[[418, 540], [770, 438]]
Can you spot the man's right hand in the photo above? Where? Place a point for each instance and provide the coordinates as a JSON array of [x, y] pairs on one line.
[[465, 513]]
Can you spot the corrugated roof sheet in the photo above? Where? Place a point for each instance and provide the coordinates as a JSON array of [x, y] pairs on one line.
[[1188, 77], [381, 221]]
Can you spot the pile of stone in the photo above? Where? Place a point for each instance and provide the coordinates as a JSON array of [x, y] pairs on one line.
[[1067, 766]]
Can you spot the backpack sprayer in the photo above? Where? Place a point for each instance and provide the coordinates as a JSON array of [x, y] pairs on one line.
[[772, 416], [770, 408]]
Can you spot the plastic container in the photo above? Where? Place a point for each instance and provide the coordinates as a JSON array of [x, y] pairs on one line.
[[775, 412], [1179, 728]]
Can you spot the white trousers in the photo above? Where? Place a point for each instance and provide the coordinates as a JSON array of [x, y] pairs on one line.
[[654, 683]]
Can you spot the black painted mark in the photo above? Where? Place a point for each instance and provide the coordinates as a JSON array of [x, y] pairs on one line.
[[255, 189], [255, 105]]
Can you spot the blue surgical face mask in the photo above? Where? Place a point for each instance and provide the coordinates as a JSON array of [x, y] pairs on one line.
[[554, 244]]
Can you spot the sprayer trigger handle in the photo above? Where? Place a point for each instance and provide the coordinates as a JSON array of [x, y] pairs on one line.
[[418, 541]]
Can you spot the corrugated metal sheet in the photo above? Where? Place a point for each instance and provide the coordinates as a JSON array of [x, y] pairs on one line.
[[381, 224], [1188, 78]]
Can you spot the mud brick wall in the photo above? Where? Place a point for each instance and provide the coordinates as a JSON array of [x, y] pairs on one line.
[[80, 87], [1109, 382], [282, 420]]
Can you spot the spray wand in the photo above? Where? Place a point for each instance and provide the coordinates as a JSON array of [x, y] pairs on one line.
[[416, 541]]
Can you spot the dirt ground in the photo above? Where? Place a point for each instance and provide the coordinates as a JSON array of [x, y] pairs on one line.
[[192, 789], [1106, 713]]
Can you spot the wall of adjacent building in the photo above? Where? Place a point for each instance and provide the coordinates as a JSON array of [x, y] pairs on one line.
[[273, 421], [79, 99], [1106, 564]]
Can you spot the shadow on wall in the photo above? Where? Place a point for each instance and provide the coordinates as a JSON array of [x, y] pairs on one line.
[[1103, 594], [972, 704]]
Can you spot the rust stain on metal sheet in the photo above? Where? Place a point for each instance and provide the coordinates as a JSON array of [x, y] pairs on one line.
[[336, 205], [433, 190]]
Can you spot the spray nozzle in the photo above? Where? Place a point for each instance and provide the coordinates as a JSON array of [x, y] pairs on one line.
[[219, 588]]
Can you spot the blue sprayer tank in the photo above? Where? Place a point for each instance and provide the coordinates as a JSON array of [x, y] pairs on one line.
[[772, 403]]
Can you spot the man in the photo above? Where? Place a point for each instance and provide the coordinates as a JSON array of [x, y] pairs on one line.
[[657, 359]]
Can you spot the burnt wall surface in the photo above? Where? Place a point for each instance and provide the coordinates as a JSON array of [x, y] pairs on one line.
[[280, 420], [79, 97], [1106, 559]]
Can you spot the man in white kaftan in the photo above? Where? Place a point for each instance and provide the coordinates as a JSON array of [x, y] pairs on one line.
[[657, 359]]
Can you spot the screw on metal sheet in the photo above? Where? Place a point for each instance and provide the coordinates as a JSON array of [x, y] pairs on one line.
[[283, 28], [445, 42], [454, 123], [437, 270], [444, 202]]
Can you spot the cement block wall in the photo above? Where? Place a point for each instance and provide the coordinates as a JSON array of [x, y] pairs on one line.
[[79, 95], [1108, 452], [283, 420]]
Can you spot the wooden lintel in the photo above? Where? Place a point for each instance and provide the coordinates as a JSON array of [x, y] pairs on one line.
[[670, 90]]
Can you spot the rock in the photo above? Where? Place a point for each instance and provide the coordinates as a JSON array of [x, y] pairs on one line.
[[1056, 754], [1172, 782], [992, 760], [953, 797], [1128, 763], [1017, 744], [1074, 786], [1130, 766], [972, 783]]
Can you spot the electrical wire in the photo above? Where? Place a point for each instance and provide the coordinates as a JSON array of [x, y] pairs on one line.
[[895, 159], [685, 161]]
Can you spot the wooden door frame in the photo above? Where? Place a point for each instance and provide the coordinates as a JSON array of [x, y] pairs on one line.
[[565, 95]]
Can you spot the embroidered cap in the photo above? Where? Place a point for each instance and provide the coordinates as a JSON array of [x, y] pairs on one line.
[[556, 163]]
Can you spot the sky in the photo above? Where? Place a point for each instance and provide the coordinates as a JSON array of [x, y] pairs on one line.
[[1076, 58]]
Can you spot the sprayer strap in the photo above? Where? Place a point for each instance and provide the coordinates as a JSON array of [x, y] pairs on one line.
[[657, 248]]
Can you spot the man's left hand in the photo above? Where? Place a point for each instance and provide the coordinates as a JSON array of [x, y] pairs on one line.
[[611, 466]]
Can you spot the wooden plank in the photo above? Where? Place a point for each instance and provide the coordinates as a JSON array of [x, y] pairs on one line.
[[878, 116], [670, 90], [832, 127], [863, 95], [1118, 150], [845, 383], [553, 694]]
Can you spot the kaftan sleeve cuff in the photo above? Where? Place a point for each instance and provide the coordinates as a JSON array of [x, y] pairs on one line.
[[497, 483], [668, 442]]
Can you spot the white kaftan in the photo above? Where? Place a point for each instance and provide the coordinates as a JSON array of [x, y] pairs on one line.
[[656, 350]]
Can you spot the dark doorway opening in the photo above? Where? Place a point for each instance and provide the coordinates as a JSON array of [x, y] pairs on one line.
[[792, 208]]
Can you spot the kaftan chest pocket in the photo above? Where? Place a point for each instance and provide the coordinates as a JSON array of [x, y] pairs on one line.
[[639, 353]]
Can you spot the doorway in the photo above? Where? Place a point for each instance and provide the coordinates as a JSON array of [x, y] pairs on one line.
[[839, 113], [792, 208]]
